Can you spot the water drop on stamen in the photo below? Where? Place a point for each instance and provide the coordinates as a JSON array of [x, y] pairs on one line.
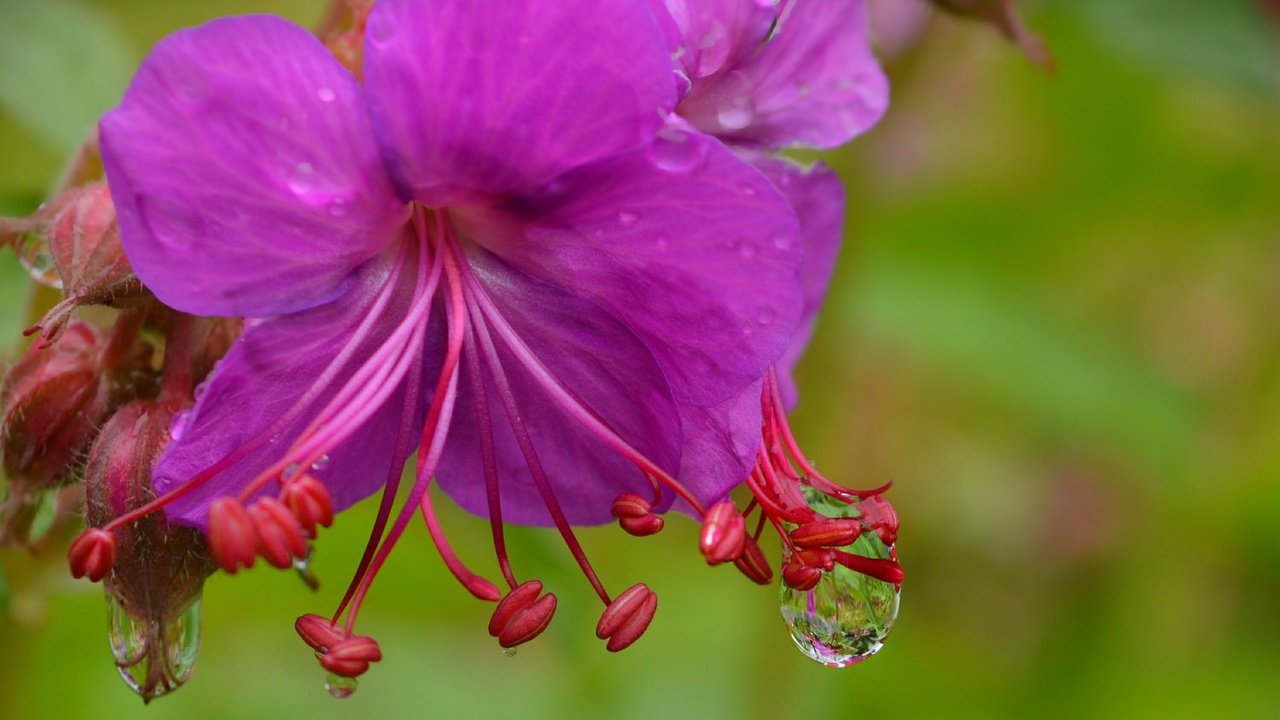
[[320, 463], [846, 617], [289, 471], [302, 566], [339, 687], [154, 657], [510, 652]]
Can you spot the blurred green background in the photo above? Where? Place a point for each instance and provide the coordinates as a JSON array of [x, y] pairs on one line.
[[1056, 325]]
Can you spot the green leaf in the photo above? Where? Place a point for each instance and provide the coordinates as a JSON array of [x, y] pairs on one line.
[[64, 66]]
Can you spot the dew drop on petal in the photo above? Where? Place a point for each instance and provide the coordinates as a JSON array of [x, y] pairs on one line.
[[747, 250], [339, 686], [289, 471], [382, 28], [677, 152], [783, 242], [338, 208], [302, 179], [326, 94], [320, 463], [628, 218], [846, 617], [736, 116], [154, 658], [178, 425]]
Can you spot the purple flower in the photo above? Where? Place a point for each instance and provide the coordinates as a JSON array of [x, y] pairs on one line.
[[503, 251]]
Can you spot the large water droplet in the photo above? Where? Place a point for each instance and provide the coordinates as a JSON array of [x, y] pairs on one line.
[[34, 254], [846, 617], [677, 152], [154, 657], [339, 686], [736, 116]]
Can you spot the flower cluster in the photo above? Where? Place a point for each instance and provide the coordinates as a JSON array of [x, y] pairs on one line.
[[548, 248]]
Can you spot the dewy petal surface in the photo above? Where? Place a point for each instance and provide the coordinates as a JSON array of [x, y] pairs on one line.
[[818, 197], [265, 375], [815, 83], [691, 247], [602, 363], [719, 34], [245, 172], [489, 97]]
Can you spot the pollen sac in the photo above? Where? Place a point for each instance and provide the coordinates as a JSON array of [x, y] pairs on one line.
[[92, 554], [279, 536], [231, 535], [54, 401], [827, 532], [724, 533], [627, 617], [351, 656], [319, 632], [522, 615], [309, 501], [79, 227], [154, 586], [753, 563], [635, 515]]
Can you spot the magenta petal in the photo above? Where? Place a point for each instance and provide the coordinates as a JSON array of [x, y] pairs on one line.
[[818, 197], [720, 445], [715, 35], [816, 83], [264, 377], [244, 170], [489, 97], [602, 363], [687, 244]]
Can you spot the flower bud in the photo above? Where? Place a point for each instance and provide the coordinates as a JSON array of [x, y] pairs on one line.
[[55, 399], [159, 568], [80, 232]]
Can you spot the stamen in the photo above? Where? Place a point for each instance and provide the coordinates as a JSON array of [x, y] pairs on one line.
[[279, 535], [92, 554], [627, 617], [232, 540], [724, 533], [522, 615]]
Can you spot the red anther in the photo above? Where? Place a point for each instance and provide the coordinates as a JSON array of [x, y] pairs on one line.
[[627, 617], [529, 623], [351, 657], [319, 632], [521, 597], [232, 540], [310, 502], [799, 576], [886, 569], [827, 532], [642, 526], [879, 516], [724, 533], [753, 563], [631, 505], [92, 554], [279, 536]]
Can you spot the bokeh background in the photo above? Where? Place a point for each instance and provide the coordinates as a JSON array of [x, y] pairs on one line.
[[1055, 325]]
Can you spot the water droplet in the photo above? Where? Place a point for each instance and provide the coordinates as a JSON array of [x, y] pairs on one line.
[[34, 254], [737, 116], [747, 250], [749, 190], [783, 242], [338, 208], [767, 316], [846, 617], [382, 28], [199, 390], [677, 152], [320, 463], [628, 218], [289, 471], [303, 178], [339, 687], [510, 652], [154, 657], [326, 94], [683, 83], [178, 425]]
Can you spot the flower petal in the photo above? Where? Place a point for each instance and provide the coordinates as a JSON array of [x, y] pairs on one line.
[[490, 97], [244, 170], [602, 364], [720, 445], [719, 34], [264, 377], [815, 83], [818, 197], [684, 242]]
